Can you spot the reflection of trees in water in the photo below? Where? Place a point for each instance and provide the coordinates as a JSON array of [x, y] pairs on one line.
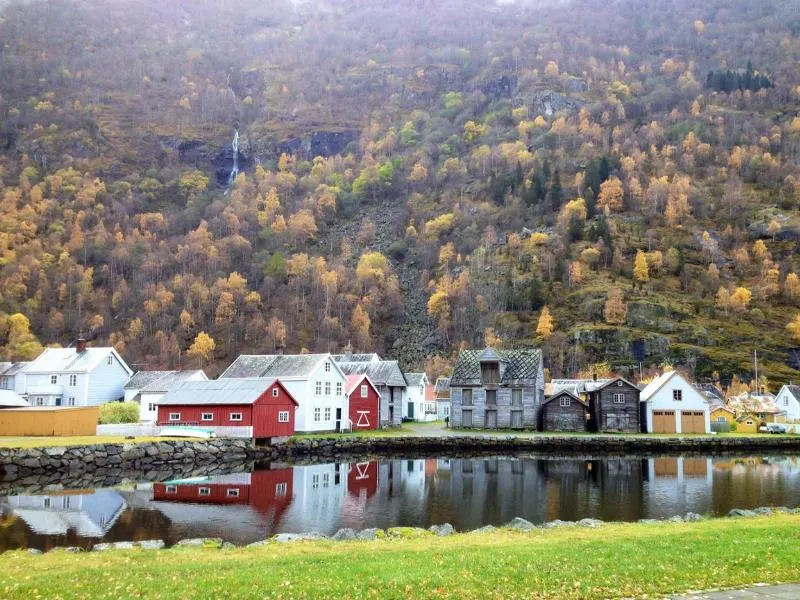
[[138, 524], [750, 482]]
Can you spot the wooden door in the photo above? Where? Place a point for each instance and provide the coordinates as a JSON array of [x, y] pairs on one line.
[[663, 421], [491, 419], [693, 421], [410, 410], [516, 418]]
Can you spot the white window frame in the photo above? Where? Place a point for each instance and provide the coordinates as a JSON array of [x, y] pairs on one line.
[[281, 489], [327, 388], [204, 491], [275, 392], [364, 391], [110, 359], [207, 417], [318, 388], [171, 489], [317, 414], [283, 416], [232, 493], [327, 367], [53, 379], [174, 416], [71, 401], [4, 383], [619, 398], [565, 402], [73, 381], [39, 401], [235, 416], [677, 395], [328, 414], [338, 388], [151, 407]]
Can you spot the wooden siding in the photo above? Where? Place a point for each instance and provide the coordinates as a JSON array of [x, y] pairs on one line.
[[364, 411], [505, 417], [614, 417], [564, 418], [391, 396], [49, 422], [693, 421], [663, 421]]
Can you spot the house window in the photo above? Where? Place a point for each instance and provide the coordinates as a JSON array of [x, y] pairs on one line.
[[4, 383], [722, 420], [71, 401], [151, 407], [53, 379], [565, 402], [677, 395], [174, 416], [786, 401], [619, 398], [280, 489], [317, 414], [233, 493], [327, 388], [315, 481], [490, 372], [491, 397], [318, 388], [172, 489], [363, 391], [516, 397], [275, 392], [207, 417], [73, 380], [40, 401], [283, 416], [110, 359], [204, 491], [236, 416], [327, 414], [327, 367], [466, 397], [338, 388], [326, 480]]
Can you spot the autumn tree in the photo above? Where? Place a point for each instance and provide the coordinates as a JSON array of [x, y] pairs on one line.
[[611, 195], [740, 299], [21, 343], [794, 327], [641, 272], [545, 325], [276, 332], [615, 309], [202, 347]]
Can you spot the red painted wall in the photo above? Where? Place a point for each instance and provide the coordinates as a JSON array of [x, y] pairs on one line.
[[262, 415], [190, 492], [363, 477], [370, 404]]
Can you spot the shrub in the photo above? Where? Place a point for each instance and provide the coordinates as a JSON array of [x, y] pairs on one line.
[[119, 412], [720, 427]]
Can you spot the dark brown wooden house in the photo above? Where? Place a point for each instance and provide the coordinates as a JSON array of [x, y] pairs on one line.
[[614, 407], [564, 411]]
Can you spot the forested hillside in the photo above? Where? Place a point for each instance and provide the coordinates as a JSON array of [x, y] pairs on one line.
[[616, 181]]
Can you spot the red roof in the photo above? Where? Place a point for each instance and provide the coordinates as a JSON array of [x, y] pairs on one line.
[[353, 381], [430, 393]]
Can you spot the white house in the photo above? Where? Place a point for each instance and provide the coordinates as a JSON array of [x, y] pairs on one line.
[[788, 400], [442, 393], [146, 388], [414, 408], [79, 376], [12, 376], [673, 405], [314, 380]]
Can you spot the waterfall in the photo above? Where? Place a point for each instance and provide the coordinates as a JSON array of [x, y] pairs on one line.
[[235, 167]]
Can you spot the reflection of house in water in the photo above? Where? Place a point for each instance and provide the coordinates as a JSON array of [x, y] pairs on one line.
[[362, 479], [240, 507], [90, 514], [676, 485], [755, 481], [320, 492]]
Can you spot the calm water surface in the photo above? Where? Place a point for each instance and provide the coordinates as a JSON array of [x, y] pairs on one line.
[[469, 493]]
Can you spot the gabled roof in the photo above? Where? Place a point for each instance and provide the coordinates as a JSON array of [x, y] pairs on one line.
[[345, 358], [710, 391], [384, 372], [520, 364], [442, 383], [275, 365], [794, 390], [353, 381], [69, 360], [10, 399], [578, 386], [231, 391], [8, 369], [722, 407], [171, 379], [661, 381], [143, 378], [564, 393], [414, 379]]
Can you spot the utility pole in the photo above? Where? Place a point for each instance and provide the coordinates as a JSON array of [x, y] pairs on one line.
[[755, 365]]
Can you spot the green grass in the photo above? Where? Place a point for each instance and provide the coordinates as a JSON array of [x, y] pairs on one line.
[[616, 560], [85, 440]]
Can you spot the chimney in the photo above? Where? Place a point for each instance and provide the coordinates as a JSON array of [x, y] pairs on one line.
[[279, 349], [594, 376], [80, 345]]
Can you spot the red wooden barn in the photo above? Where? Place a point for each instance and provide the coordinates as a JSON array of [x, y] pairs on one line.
[[365, 402], [258, 408]]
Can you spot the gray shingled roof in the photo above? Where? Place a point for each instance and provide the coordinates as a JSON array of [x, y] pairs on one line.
[[578, 386], [221, 391], [414, 379], [520, 364], [345, 358], [442, 384], [564, 393], [143, 378], [69, 360], [385, 372], [273, 365], [794, 390], [170, 380], [7, 369]]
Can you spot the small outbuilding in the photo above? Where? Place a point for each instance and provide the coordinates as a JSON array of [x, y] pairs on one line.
[[49, 421], [257, 408], [364, 399], [671, 404], [564, 411]]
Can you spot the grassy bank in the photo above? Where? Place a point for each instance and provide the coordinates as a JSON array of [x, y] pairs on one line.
[[612, 561], [86, 440]]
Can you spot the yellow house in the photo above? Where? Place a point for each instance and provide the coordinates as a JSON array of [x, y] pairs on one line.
[[722, 414], [748, 423]]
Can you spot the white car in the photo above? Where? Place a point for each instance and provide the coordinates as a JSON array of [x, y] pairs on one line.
[[776, 428]]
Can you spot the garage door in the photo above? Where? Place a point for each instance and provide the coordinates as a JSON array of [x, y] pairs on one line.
[[693, 421], [663, 421]]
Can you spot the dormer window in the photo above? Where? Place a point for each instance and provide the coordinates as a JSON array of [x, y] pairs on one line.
[[327, 367], [490, 372]]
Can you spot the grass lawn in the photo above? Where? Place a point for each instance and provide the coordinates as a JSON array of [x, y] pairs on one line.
[[616, 560], [48, 442]]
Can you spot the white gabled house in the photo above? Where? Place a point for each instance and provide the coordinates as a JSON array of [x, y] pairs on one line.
[[79, 376], [788, 400], [12, 376], [314, 380], [146, 388], [415, 407], [671, 404]]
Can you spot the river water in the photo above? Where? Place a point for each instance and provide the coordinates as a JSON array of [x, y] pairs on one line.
[[466, 492]]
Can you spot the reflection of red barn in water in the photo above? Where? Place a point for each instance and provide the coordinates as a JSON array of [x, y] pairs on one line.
[[362, 478], [265, 491]]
